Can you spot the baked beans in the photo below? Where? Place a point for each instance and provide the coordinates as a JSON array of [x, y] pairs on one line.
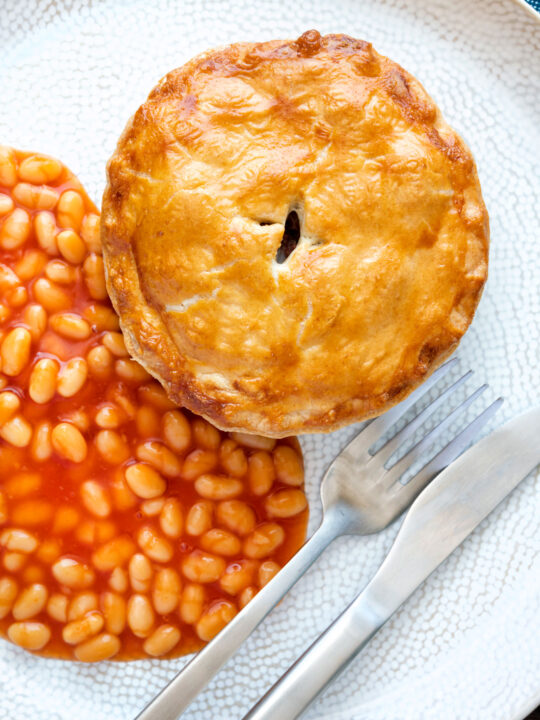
[[128, 527]]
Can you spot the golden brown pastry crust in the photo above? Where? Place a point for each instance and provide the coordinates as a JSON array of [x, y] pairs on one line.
[[394, 234]]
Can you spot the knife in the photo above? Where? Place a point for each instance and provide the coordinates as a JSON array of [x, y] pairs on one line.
[[442, 516]]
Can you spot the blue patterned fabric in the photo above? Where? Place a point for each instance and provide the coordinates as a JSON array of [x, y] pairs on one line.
[[535, 4]]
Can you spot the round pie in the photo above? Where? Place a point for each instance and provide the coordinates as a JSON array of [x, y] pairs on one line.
[[293, 236]]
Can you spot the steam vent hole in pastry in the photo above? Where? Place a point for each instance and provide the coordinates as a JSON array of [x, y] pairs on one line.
[[291, 236]]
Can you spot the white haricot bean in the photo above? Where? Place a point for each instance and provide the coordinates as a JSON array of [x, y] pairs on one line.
[[153, 507], [162, 640], [171, 519], [285, 503], [8, 166], [214, 619], [246, 595], [65, 519], [68, 442], [31, 264], [71, 246], [8, 279], [236, 516], [205, 435], [70, 210], [267, 570], [86, 627], [140, 615], [119, 580], [237, 576], [35, 198], [41, 445], [95, 498], [17, 540], [72, 377], [160, 457], [264, 540], [114, 609], [114, 553], [199, 462], [144, 481], [202, 567], [192, 603], [48, 551], [29, 635], [140, 573], [147, 421], [112, 447], [114, 341], [57, 607], [8, 593], [130, 370], [94, 277], [72, 573], [261, 472], [45, 227], [154, 546], [15, 230], [101, 318], [220, 542], [109, 417], [199, 517], [254, 442], [82, 603], [35, 317], [100, 362], [60, 272], [9, 404], [30, 602], [22, 484], [6, 204], [90, 232], [123, 498], [154, 394], [15, 351], [166, 591], [233, 458], [39, 169], [42, 385], [101, 647], [218, 487], [14, 561], [32, 512], [71, 326], [288, 464], [51, 296], [176, 431]]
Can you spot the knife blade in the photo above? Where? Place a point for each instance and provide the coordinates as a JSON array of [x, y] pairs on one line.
[[442, 516]]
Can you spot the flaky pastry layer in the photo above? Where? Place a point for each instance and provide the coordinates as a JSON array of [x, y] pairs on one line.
[[393, 247]]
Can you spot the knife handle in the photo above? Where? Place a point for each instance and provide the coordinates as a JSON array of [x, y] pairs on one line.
[[321, 662]]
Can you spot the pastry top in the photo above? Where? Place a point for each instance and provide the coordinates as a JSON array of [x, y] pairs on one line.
[[278, 330]]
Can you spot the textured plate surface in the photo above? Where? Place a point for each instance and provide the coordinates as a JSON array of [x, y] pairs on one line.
[[466, 644]]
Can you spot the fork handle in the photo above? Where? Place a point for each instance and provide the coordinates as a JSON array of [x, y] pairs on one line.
[[188, 683], [321, 662]]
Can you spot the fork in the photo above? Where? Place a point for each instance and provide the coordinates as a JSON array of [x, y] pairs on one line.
[[361, 494]]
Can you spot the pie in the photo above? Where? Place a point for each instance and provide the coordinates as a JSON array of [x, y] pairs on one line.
[[294, 238]]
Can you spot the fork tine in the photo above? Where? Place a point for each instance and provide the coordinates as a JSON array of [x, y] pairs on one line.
[[444, 457], [389, 448], [395, 472], [377, 427]]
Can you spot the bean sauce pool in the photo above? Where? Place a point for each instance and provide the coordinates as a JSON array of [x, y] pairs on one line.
[[129, 527]]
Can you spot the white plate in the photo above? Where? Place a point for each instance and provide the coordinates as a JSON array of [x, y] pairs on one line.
[[466, 645]]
